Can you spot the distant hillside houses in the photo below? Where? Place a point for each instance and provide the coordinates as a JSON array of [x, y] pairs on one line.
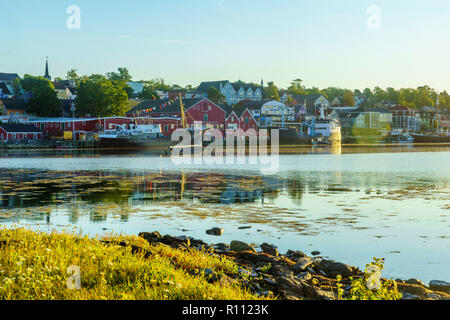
[[8, 79], [352, 117], [234, 92], [308, 101]]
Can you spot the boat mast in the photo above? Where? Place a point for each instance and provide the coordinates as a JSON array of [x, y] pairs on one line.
[[183, 116], [437, 112]]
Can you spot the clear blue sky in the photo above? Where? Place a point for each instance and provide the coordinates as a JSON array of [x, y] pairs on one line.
[[324, 42]]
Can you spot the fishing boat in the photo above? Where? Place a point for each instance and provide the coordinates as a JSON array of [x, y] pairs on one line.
[[136, 136], [398, 137], [439, 135], [443, 137]]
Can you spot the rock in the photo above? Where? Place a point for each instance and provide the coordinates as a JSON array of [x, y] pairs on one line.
[[215, 231], [254, 257], [438, 285], [291, 286], [239, 246], [305, 276], [222, 246], [150, 236], [415, 281], [408, 296], [412, 289], [281, 271], [433, 296], [298, 288], [335, 268], [302, 264], [210, 275], [226, 281], [269, 249], [295, 254], [315, 253], [270, 281]]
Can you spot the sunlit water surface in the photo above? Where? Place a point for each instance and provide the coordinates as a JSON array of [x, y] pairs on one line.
[[351, 204]]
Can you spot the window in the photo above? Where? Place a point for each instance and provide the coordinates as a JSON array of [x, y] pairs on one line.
[[166, 128], [84, 123], [3, 136], [205, 117], [246, 120]]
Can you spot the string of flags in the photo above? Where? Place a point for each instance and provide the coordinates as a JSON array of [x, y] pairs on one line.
[[161, 106]]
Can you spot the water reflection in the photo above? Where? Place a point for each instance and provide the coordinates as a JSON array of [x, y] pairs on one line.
[[27, 188]]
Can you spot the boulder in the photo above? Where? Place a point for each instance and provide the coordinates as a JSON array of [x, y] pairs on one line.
[[254, 257], [415, 281], [281, 271], [302, 264], [215, 231], [335, 268], [239, 246], [295, 254], [438, 285], [269, 249], [305, 276], [210, 275]]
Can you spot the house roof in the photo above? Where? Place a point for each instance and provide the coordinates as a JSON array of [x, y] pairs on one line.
[[401, 108], [173, 108], [4, 89], [310, 99], [15, 127], [8, 76], [205, 86], [238, 85], [252, 105], [16, 104]]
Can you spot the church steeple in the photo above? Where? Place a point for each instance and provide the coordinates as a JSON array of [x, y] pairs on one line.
[[47, 75]]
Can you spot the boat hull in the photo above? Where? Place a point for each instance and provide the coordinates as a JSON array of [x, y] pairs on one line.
[[128, 143], [418, 138], [292, 136]]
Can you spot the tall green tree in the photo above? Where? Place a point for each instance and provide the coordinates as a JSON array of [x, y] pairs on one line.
[[100, 97], [271, 91], [348, 99], [215, 96], [72, 75], [44, 100]]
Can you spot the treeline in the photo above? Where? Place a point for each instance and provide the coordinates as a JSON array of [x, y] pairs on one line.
[[410, 97], [107, 95]]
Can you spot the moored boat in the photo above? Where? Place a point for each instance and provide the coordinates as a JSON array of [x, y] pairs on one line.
[[434, 138], [137, 136]]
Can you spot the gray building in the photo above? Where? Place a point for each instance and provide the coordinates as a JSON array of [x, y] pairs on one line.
[[234, 92]]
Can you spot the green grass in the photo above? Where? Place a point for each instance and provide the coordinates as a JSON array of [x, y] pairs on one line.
[[33, 266]]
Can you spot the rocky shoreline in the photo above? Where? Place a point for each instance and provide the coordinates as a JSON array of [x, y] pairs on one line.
[[293, 275]]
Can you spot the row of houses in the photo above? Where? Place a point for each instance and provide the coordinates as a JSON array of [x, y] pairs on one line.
[[245, 115]]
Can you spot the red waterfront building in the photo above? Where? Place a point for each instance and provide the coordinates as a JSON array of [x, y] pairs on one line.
[[18, 132]]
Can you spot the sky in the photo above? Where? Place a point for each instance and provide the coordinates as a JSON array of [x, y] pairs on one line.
[[343, 43]]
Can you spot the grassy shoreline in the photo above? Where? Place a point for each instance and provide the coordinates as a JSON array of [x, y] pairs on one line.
[[34, 266], [67, 266]]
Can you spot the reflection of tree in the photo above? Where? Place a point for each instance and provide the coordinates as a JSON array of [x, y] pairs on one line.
[[296, 188], [96, 216]]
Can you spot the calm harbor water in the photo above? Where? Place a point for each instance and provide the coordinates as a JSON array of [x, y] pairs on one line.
[[351, 203]]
